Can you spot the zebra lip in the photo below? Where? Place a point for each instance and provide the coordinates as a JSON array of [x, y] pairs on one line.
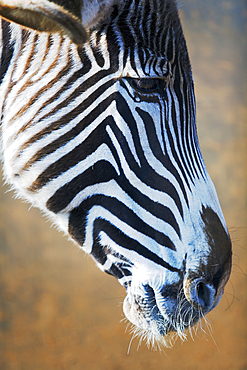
[[167, 325], [143, 311]]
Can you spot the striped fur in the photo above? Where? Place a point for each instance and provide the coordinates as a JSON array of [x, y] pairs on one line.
[[102, 138]]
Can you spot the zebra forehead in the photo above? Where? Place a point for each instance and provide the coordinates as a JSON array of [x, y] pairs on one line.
[[96, 11], [144, 20], [148, 30]]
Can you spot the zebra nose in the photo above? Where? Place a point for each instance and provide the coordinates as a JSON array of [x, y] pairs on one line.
[[200, 294]]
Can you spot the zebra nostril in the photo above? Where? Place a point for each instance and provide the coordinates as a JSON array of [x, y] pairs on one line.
[[200, 294], [203, 295]]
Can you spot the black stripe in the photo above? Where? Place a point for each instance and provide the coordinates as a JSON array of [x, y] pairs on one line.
[[7, 51], [118, 270]]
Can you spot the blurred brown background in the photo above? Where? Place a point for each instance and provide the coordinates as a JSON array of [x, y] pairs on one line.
[[58, 311]]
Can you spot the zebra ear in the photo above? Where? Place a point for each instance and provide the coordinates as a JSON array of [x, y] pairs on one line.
[[94, 11], [47, 16], [70, 17]]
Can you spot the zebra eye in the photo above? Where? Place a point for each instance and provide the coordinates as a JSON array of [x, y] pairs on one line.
[[146, 85]]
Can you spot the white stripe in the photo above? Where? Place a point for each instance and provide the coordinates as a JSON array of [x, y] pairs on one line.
[[20, 68], [101, 153]]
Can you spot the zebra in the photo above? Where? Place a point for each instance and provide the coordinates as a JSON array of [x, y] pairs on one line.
[[98, 130]]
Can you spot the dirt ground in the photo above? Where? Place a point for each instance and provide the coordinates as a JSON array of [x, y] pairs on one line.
[[58, 311]]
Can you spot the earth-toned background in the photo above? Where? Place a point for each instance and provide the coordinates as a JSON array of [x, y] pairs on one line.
[[58, 311]]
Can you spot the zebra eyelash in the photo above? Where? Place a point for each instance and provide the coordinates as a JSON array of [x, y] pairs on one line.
[[147, 85]]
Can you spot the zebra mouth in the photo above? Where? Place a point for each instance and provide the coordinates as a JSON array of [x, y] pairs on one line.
[[159, 314], [145, 314]]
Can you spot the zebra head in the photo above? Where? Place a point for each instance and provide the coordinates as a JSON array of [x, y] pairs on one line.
[[117, 162]]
